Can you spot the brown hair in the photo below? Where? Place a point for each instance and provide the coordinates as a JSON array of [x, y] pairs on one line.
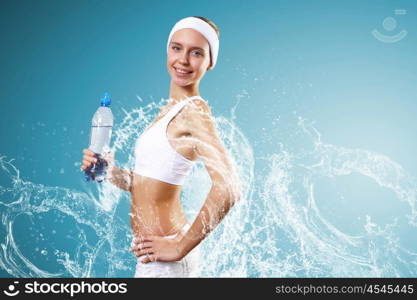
[[213, 26]]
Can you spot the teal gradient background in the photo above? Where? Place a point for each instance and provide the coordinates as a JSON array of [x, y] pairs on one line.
[[278, 60]]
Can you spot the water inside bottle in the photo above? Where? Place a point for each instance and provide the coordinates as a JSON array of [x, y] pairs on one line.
[[99, 138]]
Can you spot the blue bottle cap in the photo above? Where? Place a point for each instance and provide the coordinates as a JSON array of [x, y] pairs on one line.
[[106, 101]]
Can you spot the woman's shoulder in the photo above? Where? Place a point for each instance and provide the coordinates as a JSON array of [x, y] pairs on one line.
[[199, 118], [199, 105]]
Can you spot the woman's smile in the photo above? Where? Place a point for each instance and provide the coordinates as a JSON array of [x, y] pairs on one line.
[[182, 72]]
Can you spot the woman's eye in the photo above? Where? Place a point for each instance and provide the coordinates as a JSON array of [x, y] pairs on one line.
[[196, 52]]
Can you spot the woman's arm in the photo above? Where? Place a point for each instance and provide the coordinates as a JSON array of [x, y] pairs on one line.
[[120, 178], [225, 189]]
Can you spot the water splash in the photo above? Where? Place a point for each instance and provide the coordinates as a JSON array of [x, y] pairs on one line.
[[307, 244], [286, 226], [62, 232]]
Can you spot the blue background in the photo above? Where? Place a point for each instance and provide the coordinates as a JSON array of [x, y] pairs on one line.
[[279, 62]]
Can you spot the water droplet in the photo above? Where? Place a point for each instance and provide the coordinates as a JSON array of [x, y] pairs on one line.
[[44, 252]]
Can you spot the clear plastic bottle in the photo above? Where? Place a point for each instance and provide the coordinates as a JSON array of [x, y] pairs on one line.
[[100, 136]]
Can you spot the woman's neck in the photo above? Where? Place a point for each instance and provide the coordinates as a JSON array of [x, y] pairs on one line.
[[177, 94]]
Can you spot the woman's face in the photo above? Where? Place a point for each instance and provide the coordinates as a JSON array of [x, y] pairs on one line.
[[188, 51]]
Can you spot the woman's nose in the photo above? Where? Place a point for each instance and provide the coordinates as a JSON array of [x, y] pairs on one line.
[[184, 58]]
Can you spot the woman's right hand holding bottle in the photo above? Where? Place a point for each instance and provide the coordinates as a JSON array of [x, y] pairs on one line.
[[88, 159]]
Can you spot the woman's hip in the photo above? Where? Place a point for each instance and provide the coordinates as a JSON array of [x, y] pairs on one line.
[[188, 266]]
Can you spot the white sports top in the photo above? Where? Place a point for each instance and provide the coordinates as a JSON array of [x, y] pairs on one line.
[[154, 155]]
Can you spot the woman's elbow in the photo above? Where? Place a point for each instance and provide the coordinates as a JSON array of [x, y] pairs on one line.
[[236, 197], [231, 189], [235, 194]]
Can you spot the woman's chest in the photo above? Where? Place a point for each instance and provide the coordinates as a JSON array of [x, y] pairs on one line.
[[179, 136], [175, 133]]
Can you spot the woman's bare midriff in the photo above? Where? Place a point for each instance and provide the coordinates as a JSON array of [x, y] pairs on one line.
[[155, 207]]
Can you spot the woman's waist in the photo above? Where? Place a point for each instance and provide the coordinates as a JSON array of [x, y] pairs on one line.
[[156, 218], [170, 229]]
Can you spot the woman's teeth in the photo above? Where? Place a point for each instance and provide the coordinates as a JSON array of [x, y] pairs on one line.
[[181, 71]]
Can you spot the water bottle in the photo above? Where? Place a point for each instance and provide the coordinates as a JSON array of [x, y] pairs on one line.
[[100, 135]]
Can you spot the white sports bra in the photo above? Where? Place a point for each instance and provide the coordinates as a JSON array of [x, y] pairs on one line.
[[154, 155]]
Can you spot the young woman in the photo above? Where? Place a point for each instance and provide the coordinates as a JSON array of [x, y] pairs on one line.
[[184, 131]]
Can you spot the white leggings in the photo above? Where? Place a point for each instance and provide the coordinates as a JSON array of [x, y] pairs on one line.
[[186, 267]]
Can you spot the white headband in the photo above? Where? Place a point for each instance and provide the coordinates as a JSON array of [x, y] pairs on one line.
[[204, 28]]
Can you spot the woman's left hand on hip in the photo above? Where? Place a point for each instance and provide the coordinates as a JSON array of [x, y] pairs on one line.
[[156, 248]]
